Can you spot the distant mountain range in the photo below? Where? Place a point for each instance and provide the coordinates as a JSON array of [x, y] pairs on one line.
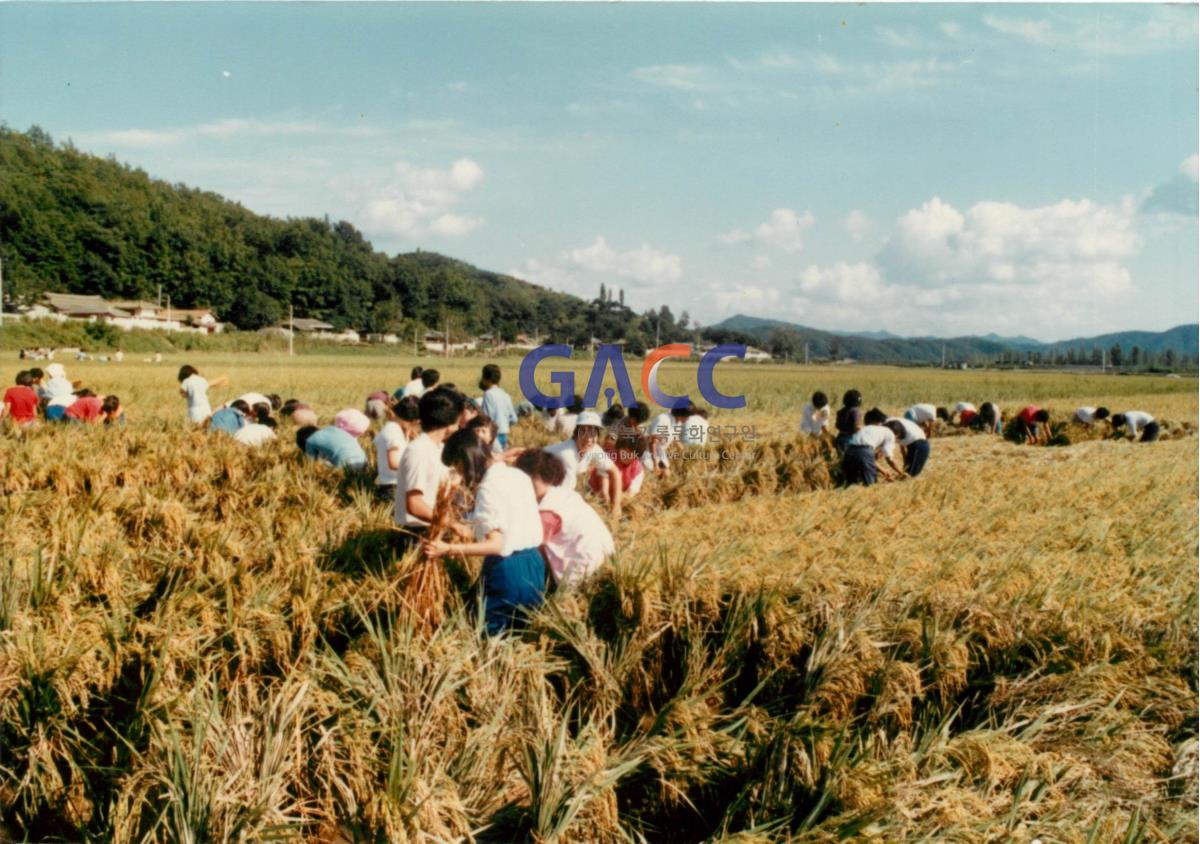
[[884, 347]]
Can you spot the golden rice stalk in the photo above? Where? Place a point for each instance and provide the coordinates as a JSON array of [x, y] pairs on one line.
[[428, 584]]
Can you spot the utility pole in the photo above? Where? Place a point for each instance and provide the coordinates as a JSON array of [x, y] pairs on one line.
[[943, 356], [806, 354], [1, 292], [1103, 360], [291, 330], [160, 295], [446, 338], [416, 348]]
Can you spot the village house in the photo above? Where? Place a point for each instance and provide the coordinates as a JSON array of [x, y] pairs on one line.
[[123, 314]]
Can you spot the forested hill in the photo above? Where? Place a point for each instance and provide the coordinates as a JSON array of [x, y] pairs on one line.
[[70, 221]]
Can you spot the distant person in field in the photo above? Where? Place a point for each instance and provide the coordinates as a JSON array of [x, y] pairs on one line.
[[964, 414], [913, 443], [661, 431], [507, 530], [1090, 415], [20, 400], [582, 453], [991, 419], [258, 432], [1033, 423], [695, 428], [429, 380], [815, 417], [865, 445], [414, 387], [1135, 421], [925, 415], [401, 424], [497, 404], [421, 469], [625, 445], [332, 445], [299, 413], [231, 419], [575, 540], [90, 409], [849, 419], [60, 392], [194, 387], [252, 400]]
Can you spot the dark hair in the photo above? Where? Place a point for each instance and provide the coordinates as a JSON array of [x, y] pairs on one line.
[[1118, 419], [439, 408], [463, 451], [874, 416], [240, 406], [819, 400], [543, 466], [416, 372], [187, 371], [942, 413], [988, 411], [1042, 416], [576, 405], [24, 379], [897, 428], [289, 406], [1101, 413], [429, 377], [275, 400], [36, 373], [681, 412], [84, 393], [268, 421], [408, 409], [852, 398], [640, 412], [482, 421], [491, 373], [303, 434], [110, 404], [613, 415], [262, 411]]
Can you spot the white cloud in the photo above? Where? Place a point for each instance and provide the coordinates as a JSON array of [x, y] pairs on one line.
[[677, 77], [1104, 32], [420, 199], [1191, 167], [783, 230], [760, 262], [227, 129], [644, 263], [744, 298], [1177, 195], [856, 224]]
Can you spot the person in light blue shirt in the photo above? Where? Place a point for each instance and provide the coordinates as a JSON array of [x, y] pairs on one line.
[[229, 420], [497, 405], [332, 445]]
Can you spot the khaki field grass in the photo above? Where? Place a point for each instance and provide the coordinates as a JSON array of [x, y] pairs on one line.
[[203, 643]]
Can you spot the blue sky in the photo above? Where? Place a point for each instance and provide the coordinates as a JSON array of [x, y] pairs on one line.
[[925, 169]]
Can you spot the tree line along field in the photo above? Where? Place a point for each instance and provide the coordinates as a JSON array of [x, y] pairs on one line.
[[200, 642]]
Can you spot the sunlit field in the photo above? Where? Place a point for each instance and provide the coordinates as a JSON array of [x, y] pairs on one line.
[[199, 642]]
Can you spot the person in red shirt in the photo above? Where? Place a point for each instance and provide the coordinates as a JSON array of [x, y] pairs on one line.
[[20, 401], [85, 408], [1034, 424]]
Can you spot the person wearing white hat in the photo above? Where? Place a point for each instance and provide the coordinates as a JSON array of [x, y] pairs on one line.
[[583, 453], [59, 391]]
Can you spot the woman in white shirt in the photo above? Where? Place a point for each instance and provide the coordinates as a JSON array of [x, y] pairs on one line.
[[508, 531], [194, 388], [401, 424], [858, 461], [814, 419], [583, 452]]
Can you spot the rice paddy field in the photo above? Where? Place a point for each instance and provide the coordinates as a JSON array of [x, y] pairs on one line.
[[204, 643]]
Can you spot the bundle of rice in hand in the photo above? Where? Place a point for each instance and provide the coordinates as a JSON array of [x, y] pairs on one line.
[[428, 584]]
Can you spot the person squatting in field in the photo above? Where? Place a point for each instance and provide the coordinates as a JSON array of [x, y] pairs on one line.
[[859, 459], [400, 424], [1033, 423], [625, 445], [1137, 420], [337, 444], [814, 418], [507, 529], [914, 445], [1090, 415], [583, 452], [925, 415], [575, 540]]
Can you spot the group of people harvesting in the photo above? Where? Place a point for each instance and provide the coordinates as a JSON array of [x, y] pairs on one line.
[[49, 396], [523, 512]]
